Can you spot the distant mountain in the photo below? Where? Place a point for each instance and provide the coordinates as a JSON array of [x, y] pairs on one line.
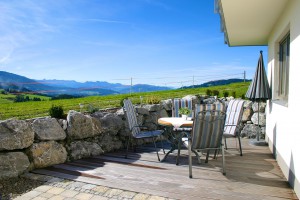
[[218, 82], [17, 83], [117, 87]]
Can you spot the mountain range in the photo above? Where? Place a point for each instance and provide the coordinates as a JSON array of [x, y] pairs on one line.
[[20, 84], [16, 83]]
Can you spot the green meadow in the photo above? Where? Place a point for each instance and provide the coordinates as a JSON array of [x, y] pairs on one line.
[[32, 109]]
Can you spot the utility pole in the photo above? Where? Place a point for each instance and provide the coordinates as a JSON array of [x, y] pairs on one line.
[[130, 86], [193, 81], [244, 76]]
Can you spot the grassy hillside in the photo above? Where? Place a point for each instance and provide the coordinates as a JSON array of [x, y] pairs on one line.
[[25, 110]]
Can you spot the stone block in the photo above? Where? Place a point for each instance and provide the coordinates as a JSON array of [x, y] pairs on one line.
[[15, 134]]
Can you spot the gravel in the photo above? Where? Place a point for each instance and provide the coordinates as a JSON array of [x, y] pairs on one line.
[[13, 187]]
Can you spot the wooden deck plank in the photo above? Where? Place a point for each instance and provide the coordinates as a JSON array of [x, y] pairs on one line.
[[255, 175]]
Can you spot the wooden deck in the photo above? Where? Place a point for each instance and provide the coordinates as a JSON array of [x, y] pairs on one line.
[[255, 175]]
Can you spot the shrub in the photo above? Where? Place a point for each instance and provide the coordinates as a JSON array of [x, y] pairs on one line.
[[121, 101], [184, 111], [92, 109], [225, 93], [56, 111], [216, 92], [153, 100], [233, 94], [208, 92]]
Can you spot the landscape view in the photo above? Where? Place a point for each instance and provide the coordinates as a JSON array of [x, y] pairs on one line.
[[149, 99], [23, 98]]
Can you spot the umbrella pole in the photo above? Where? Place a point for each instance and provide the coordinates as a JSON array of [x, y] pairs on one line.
[[257, 135]]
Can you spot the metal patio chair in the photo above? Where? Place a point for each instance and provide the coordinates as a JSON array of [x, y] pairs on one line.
[[232, 129], [206, 135], [136, 129]]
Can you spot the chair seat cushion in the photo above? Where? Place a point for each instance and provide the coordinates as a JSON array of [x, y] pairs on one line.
[[182, 129], [148, 134], [185, 141]]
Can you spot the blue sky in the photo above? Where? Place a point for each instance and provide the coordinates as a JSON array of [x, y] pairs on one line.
[[160, 42]]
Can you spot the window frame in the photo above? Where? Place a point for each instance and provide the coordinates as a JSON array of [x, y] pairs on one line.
[[283, 68]]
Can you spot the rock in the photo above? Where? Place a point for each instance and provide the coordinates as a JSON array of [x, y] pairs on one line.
[[84, 149], [167, 104], [250, 131], [262, 119], [142, 110], [48, 129], [153, 107], [45, 154], [262, 106], [13, 164], [163, 113], [120, 113], [15, 134], [82, 126], [247, 115], [63, 123], [110, 143], [110, 123], [248, 104]]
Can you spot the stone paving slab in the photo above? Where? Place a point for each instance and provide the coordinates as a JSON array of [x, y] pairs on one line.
[[63, 189]]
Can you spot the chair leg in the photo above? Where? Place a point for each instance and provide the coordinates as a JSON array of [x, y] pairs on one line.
[[128, 141], [155, 148], [239, 138], [223, 160], [178, 153], [190, 158], [225, 143], [162, 146], [207, 155]]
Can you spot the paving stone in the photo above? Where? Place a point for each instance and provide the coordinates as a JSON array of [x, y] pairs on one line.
[[97, 197], [77, 184], [57, 197], [127, 195], [156, 198], [43, 188], [31, 194], [89, 186], [39, 198], [112, 192], [55, 180], [22, 198], [100, 189], [56, 190], [68, 193], [83, 196], [47, 195], [141, 196]]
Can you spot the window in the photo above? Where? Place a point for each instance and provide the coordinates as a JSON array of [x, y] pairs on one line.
[[283, 70]]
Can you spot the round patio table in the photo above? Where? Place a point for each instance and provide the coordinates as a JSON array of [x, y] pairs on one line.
[[175, 128]]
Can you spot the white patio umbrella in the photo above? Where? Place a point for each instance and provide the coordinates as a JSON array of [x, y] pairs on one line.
[[259, 88]]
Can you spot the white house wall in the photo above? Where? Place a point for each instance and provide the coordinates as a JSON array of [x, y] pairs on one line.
[[283, 121]]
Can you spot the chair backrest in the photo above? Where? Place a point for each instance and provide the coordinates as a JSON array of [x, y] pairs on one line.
[[234, 114], [181, 103], [131, 117], [216, 106], [208, 129]]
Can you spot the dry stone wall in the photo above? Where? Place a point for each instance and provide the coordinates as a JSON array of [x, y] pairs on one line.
[[42, 142]]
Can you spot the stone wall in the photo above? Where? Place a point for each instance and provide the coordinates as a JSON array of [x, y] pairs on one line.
[[37, 143]]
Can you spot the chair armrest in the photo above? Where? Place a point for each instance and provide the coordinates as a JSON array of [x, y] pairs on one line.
[[139, 126]]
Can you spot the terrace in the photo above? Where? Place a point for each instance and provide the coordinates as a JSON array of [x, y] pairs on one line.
[[255, 175]]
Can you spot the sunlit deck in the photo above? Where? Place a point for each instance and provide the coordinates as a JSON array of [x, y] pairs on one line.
[[255, 175]]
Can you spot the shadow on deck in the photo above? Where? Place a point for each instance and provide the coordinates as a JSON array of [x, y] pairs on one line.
[[255, 175]]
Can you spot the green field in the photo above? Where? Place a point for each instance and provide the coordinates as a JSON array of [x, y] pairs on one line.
[[31, 109]]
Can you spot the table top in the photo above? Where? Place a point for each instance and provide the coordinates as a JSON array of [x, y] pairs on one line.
[[175, 121]]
